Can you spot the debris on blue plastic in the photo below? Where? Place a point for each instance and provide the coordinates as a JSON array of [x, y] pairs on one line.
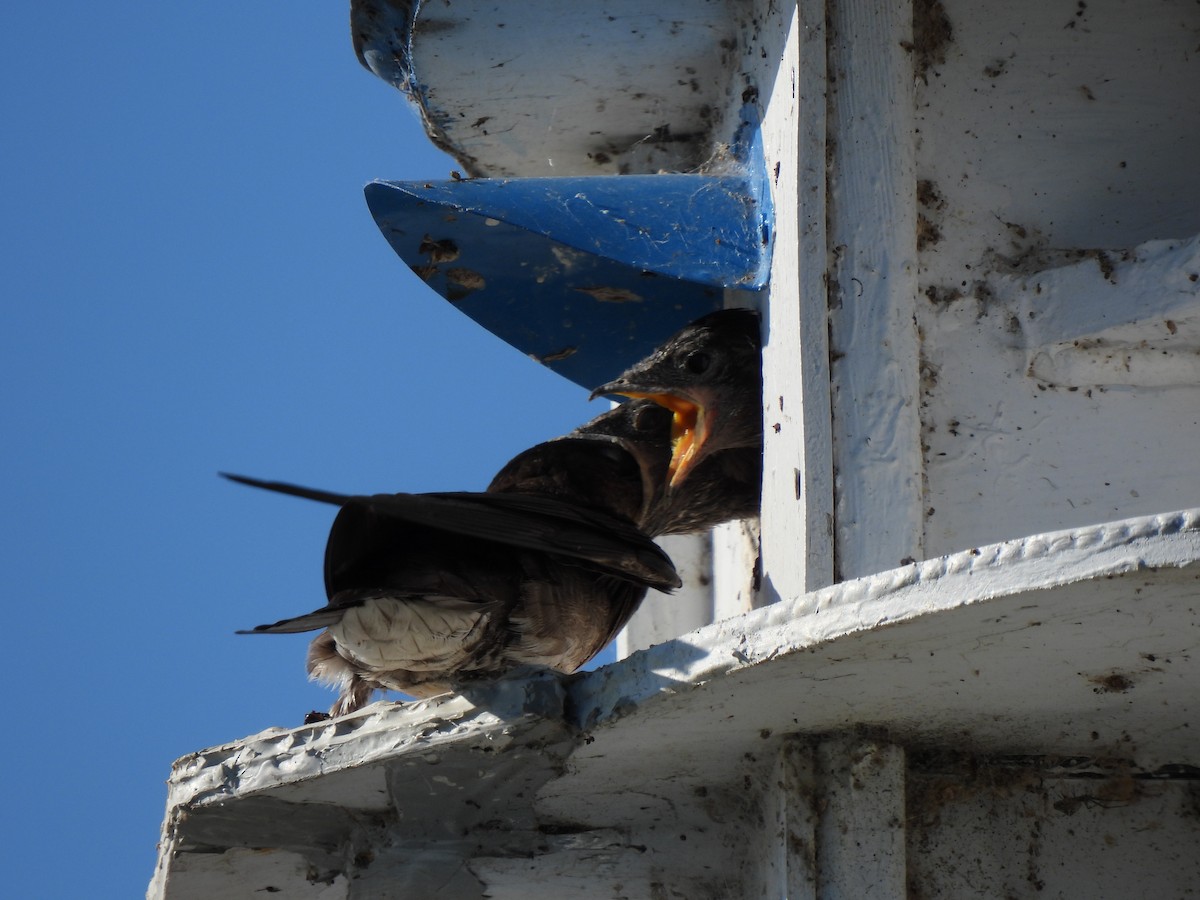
[[584, 274]]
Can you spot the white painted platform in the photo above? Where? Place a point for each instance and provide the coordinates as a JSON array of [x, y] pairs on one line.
[[1058, 675]]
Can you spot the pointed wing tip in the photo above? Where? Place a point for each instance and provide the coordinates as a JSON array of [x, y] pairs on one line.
[[292, 490], [669, 585], [660, 572]]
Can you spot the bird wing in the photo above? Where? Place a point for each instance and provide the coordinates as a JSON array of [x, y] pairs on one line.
[[532, 521], [577, 533]]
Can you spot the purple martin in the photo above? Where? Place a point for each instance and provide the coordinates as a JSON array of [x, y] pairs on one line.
[[726, 485], [429, 593], [709, 375]]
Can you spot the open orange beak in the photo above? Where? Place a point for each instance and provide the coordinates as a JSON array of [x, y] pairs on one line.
[[688, 432]]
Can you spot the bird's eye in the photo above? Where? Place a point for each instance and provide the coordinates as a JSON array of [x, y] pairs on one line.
[[697, 362], [643, 417]]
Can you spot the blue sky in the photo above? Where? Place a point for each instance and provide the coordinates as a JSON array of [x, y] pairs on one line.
[[192, 283]]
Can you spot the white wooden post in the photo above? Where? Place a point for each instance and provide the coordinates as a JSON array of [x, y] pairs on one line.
[[791, 819], [797, 511], [873, 287], [860, 839]]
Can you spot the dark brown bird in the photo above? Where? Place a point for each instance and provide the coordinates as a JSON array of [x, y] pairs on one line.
[[430, 592], [709, 375], [724, 486]]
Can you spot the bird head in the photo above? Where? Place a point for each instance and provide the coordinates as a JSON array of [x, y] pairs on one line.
[[709, 375]]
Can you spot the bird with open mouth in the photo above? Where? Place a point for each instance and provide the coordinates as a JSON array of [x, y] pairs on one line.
[[429, 593], [709, 375]]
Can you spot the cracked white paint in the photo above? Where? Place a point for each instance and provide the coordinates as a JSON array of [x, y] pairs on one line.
[[1149, 284], [1057, 306], [605, 94]]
